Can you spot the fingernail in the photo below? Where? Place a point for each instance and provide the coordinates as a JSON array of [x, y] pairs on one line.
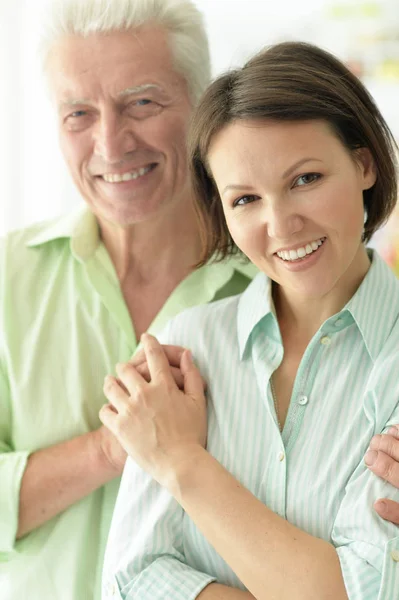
[[189, 356], [381, 505], [370, 457], [393, 431], [375, 442]]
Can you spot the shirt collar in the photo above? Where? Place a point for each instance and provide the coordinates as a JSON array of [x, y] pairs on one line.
[[254, 305], [378, 292], [79, 226]]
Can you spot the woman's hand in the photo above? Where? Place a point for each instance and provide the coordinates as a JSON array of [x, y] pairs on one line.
[[173, 354], [383, 459], [158, 425]]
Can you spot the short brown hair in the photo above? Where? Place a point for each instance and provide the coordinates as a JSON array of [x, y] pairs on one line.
[[291, 81]]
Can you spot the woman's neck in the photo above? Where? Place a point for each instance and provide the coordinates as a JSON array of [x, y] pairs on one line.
[[302, 316]]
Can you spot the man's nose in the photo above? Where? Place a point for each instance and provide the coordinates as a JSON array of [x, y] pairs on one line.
[[114, 137]]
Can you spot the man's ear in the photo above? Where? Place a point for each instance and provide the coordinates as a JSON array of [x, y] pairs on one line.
[[366, 163]]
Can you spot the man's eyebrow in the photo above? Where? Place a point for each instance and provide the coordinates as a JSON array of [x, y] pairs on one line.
[[138, 89], [73, 102]]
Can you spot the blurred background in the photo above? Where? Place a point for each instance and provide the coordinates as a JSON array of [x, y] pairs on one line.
[[34, 184]]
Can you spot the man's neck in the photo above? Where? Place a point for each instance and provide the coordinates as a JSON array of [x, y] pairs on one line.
[[167, 247]]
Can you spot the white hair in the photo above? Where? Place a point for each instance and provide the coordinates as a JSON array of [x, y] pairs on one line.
[[180, 18]]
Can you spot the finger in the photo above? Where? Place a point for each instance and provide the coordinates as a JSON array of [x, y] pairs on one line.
[[173, 354], [124, 388], [130, 378], [386, 443], [394, 431], [383, 465], [158, 364], [108, 417], [115, 394], [193, 382], [388, 510], [176, 374]]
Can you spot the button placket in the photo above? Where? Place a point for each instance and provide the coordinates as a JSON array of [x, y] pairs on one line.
[[395, 555]]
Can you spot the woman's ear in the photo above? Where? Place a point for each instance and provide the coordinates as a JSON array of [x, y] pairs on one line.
[[366, 163]]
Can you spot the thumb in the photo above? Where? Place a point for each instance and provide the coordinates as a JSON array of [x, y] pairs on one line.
[[193, 384]]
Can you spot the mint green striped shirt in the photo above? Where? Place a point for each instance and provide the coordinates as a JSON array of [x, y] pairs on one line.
[[313, 474], [64, 325]]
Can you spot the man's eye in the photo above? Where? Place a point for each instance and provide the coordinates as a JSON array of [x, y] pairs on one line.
[[306, 179], [242, 200], [78, 113], [143, 108]]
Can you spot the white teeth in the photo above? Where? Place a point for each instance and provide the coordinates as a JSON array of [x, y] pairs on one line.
[[116, 178], [293, 255]]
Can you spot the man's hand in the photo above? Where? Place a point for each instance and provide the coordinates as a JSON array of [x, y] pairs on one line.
[[110, 449], [383, 460], [157, 424]]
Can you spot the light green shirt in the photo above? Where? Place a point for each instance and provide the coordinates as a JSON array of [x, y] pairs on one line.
[[312, 474], [63, 326]]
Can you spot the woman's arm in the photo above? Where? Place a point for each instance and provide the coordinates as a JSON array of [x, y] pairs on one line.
[[164, 431], [215, 591]]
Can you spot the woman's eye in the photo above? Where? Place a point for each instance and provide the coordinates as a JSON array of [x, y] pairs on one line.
[[306, 179], [242, 200], [143, 102]]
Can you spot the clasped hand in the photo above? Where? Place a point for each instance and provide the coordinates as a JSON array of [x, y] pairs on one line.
[[159, 425]]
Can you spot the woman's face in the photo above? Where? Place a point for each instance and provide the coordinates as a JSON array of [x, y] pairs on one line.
[[292, 195]]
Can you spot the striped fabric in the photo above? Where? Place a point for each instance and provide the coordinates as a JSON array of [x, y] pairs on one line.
[[313, 475], [64, 324]]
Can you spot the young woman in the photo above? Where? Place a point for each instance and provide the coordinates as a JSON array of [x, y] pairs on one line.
[[294, 165]]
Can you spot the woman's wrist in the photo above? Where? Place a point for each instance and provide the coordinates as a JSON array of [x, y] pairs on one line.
[[183, 471]]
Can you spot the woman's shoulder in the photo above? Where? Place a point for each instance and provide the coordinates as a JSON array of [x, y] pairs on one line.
[[195, 326]]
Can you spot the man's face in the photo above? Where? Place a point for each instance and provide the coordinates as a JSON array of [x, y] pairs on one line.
[[123, 115]]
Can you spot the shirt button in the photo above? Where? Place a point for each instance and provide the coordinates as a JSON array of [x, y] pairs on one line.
[[281, 456], [395, 555], [303, 400], [325, 340]]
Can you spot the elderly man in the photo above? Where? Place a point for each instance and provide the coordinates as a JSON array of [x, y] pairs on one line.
[[76, 293]]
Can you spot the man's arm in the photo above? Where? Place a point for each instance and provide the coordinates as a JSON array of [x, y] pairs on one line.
[[61, 475], [383, 460]]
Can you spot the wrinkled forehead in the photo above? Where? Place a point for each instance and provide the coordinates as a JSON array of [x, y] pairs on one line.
[[135, 58], [114, 65]]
